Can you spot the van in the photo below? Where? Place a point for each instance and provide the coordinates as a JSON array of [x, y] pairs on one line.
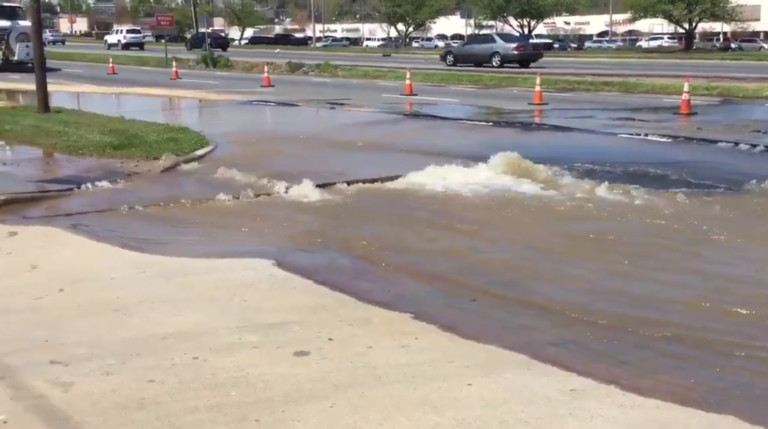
[[373, 42]]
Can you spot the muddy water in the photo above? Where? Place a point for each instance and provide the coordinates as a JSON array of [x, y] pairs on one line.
[[632, 261]]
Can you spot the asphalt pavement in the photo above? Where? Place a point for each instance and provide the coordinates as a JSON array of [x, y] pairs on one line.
[[324, 91], [551, 65]]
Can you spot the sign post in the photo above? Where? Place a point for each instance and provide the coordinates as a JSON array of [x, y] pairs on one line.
[[165, 21]]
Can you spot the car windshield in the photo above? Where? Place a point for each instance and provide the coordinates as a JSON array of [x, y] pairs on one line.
[[11, 13], [133, 31], [510, 38]]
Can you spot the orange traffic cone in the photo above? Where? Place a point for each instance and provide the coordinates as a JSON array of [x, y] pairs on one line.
[[175, 71], [266, 82], [408, 85], [685, 101], [538, 95], [111, 69]]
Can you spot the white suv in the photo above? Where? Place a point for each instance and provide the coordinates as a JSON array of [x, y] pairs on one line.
[[125, 38], [657, 42], [373, 42]]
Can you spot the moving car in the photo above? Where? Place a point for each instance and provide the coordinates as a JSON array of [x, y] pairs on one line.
[[215, 41], [496, 49], [15, 36], [124, 38], [601, 44], [53, 37]]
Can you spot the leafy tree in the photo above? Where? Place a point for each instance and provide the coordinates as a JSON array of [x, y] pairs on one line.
[[122, 12], [73, 6], [242, 14], [408, 16], [685, 14], [524, 16], [141, 8], [49, 8]]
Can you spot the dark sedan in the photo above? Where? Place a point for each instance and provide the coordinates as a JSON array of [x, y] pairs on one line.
[[215, 41], [496, 49]]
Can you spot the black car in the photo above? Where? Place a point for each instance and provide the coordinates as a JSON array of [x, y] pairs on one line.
[[215, 41], [175, 38]]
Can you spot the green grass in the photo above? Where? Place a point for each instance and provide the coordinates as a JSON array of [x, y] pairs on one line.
[[479, 79], [74, 132], [673, 54]]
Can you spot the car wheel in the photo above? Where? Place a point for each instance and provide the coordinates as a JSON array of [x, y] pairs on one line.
[[496, 60], [761, 49], [188, 46], [63, 43], [224, 49], [141, 47], [524, 64], [120, 46], [450, 59], [106, 45]]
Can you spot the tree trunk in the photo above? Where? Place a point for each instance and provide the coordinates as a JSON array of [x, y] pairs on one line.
[[41, 78], [690, 39]]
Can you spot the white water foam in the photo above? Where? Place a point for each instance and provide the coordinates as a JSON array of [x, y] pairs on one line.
[[305, 192], [509, 172]]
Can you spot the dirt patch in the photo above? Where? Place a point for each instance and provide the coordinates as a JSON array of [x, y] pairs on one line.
[[94, 89]]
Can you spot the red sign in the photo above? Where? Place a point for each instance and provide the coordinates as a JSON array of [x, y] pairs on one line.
[[72, 19], [165, 21]]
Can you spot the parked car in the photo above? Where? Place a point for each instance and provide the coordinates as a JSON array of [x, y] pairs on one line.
[[428, 43], [601, 44], [657, 41], [124, 38], [53, 37], [719, 43], [215, 41], [752, 44], [333, 42], [540, 43], [374, 42], [260, 40], [496, 49], [391, 44], [285, 39], [175, 38]]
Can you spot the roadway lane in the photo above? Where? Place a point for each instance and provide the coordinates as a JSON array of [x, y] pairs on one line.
[[578, 66], [356, 93]]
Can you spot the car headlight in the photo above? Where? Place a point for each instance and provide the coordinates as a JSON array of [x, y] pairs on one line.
[[23, 38]]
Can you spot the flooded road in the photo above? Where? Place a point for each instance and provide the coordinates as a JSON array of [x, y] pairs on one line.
[[636, 261]]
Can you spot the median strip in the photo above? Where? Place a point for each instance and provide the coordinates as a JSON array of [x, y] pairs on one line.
[[484, 80]]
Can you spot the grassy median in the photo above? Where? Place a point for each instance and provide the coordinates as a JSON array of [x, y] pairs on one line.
[[79, 133], [478, 79], [673, 54]]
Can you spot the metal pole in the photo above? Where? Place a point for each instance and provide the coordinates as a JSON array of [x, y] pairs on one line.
[[322, 12], [610, 18], [314, 30]]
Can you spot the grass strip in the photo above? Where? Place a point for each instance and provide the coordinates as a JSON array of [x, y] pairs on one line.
[[673, 54], [486, 80], [85, 134]]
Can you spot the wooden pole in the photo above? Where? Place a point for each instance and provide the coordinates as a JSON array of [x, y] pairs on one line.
[[41, 78]]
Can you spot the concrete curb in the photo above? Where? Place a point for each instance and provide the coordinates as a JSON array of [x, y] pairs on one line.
[[194, 156], [29, 197]]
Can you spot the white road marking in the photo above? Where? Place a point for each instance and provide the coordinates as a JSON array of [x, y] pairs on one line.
[[559, 94], [388, 83], [148, 68], [200, 81], [72, 70], [420, 98], [459, 88], [321, 80]]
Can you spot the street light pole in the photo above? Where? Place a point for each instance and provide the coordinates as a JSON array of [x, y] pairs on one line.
[[610, 18], [312, 9]]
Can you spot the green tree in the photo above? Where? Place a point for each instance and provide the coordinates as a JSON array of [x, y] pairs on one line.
[[242, 14], [182, 14], [73, 6], [407, 16], [49, 8], [141, 8], [685, 14], [524, 16]]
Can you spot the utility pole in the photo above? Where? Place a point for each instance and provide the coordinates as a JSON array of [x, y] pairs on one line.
[[314, 30], [41, 78], [610, 19], [194, 16]]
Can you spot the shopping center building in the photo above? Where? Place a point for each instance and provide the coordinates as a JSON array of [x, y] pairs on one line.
[[753, 23]]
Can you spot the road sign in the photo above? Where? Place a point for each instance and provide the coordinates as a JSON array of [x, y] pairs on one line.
[[165, 20], [72, 19]]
